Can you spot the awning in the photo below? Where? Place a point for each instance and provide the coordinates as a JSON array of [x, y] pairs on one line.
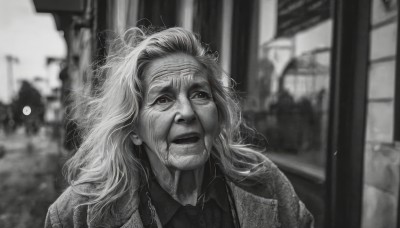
[[59, 6]]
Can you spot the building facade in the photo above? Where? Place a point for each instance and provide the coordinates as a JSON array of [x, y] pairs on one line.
[[318, 79]]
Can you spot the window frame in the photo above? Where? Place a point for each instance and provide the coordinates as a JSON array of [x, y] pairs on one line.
[[347, 121]]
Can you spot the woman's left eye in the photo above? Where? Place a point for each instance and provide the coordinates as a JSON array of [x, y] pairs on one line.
[[201, 95]]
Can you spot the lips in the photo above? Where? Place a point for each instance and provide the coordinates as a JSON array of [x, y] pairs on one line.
[[186, 138]]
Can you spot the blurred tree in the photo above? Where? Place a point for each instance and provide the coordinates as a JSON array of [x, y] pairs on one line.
[[6, 118], [28, 107], [3, 114]]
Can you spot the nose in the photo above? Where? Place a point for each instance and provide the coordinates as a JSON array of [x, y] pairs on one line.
[[185, 112]]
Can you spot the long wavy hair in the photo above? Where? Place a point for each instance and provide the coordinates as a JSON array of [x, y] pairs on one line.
[[108, 160]]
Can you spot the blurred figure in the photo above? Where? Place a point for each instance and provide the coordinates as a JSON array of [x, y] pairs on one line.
[[28, 108]]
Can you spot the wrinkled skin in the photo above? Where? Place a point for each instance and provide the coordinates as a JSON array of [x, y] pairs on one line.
[[178, 122]]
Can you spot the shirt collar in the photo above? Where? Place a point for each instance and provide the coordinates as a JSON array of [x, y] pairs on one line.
[[214, 185], [213, 188]]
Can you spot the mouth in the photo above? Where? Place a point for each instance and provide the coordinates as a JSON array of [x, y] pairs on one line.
[[186, 139]]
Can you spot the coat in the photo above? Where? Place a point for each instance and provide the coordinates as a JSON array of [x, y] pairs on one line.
[[271, 204]]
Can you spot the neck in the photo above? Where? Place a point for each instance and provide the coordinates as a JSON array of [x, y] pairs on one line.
[[183, 185]]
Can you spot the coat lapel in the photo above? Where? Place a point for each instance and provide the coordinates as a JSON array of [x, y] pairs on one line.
[[134, 221], [254, 211], [126, 214]]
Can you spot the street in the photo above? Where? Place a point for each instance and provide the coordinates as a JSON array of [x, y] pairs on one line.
[[30, 177]]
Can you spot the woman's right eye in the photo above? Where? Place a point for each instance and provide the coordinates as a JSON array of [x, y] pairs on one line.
[[162, 100]]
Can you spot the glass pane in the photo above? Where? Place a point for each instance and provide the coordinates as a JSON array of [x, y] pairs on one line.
[[287, 97]]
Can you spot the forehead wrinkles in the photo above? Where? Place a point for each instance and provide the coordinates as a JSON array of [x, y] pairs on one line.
[[169, 69], [182, 80], [177, 81]]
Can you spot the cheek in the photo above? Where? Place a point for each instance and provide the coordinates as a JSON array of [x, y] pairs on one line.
[[209, 120], [154, 129]]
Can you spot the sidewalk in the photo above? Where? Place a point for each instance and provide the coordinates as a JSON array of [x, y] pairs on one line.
[[28, 175]]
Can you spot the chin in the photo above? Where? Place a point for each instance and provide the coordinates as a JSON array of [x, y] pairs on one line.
[[188, 162]]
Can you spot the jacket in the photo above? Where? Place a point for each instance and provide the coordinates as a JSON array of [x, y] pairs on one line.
[[271, 204]]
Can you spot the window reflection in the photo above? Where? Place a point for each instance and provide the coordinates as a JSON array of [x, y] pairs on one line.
[[291, 108]]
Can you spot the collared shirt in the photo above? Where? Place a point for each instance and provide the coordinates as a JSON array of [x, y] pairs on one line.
[[212, 208]]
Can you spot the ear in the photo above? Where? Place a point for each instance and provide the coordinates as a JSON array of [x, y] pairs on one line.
[[136, 139]]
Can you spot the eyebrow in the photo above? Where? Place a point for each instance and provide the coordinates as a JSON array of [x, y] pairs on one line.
[[159, 88], [200, 84]]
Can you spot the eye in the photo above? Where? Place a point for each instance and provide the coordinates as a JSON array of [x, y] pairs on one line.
[[201, 95], [162, 100]]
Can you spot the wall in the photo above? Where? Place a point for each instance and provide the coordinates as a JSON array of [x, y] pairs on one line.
[[382, 158]]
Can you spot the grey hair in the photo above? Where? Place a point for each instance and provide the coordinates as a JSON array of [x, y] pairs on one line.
[[107, 158]]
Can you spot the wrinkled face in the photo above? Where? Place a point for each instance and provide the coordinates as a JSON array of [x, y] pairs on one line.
[[178, 120]]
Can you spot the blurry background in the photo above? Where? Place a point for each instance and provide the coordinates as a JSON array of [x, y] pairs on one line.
[[31, 54], [318, 79]]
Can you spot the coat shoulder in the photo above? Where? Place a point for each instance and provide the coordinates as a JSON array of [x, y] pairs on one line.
[[71, 210], [275, 187], [272, 183], [68, 209]]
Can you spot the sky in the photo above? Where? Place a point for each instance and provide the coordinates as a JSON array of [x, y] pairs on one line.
[[31, 37]]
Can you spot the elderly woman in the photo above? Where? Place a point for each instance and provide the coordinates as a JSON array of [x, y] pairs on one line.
[[162, 147]]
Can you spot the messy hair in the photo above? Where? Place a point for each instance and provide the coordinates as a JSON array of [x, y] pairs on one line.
[[108, 160]]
